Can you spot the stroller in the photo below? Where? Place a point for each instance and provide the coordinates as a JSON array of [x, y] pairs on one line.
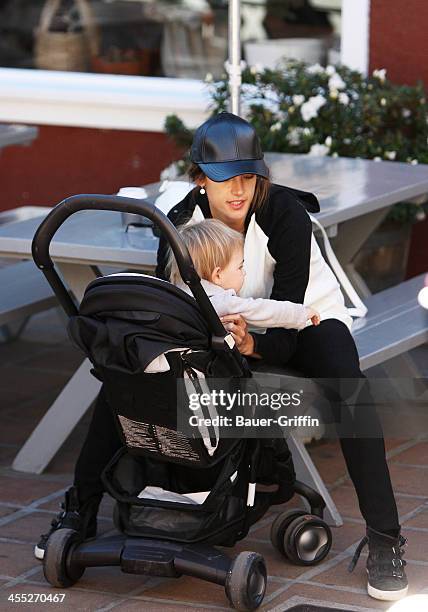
[[178, 495]]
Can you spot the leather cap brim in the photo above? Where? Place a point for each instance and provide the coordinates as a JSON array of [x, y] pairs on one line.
[[223, 171]]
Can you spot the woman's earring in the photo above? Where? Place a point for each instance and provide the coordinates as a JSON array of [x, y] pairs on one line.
[[202, 190]]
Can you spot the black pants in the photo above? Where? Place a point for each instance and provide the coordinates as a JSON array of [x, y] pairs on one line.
[[325, 352]]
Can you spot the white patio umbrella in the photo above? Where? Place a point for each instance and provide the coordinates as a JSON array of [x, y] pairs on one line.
[[233, 65]]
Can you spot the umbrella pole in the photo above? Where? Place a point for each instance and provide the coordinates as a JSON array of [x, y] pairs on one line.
[[233, 65]]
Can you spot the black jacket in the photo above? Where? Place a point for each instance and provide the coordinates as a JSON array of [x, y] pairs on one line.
[[287, 228]]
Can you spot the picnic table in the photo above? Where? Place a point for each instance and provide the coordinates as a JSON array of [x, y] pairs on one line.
[[16, 135], [355, 195]]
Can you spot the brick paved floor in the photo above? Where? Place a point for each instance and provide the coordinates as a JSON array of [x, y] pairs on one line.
[[32, 371]]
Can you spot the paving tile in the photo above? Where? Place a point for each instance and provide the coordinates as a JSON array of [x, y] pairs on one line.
[[74, 600], [339, 575], [4, 510], [329, 461], [420, 520], [417, 455], [63, 357], [392, 443], [27, 528], [21, 490], [346, 501], [328, 596], [17, 351], [15, 432], [7, 454], [409, 480], [16, 559], [417, 546], [30, 380], [151, 605], [109, 579], [192, 590]]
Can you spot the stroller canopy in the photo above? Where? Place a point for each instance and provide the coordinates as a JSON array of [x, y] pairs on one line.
[[127, 320]]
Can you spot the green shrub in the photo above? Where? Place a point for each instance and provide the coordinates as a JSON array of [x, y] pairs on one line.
[[336, 111]]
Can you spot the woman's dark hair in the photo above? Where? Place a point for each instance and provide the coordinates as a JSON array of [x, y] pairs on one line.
[[260, 194]]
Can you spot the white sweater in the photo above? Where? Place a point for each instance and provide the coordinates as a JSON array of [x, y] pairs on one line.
[[258, 312]]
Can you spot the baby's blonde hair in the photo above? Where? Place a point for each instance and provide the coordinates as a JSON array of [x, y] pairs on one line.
[[211, 243]]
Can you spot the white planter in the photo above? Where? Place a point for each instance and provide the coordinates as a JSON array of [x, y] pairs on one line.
[[269, 52]]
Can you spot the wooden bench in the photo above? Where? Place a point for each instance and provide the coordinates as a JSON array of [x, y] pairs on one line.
[[24, 290], [395, 323]]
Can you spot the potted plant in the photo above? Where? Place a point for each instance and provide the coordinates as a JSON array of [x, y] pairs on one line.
[[336, 111]]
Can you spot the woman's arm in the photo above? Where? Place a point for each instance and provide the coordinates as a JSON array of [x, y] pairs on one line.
[[290, 246]]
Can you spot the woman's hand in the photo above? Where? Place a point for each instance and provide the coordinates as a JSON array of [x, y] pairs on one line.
[[238, 327]]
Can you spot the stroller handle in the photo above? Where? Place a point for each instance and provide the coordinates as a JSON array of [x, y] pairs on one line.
[[69, 206]]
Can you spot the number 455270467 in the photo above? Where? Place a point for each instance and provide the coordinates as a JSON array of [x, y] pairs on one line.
[[36, 597]]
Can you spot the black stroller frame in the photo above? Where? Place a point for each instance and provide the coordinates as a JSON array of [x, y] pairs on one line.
[[301, 537]]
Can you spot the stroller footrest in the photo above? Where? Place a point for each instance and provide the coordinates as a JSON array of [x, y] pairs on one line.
[[154, 558]]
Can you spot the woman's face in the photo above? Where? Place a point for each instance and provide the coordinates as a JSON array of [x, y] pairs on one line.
[[230, 200]]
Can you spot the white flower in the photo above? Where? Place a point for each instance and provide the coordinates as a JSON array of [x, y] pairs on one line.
[[377, 158], [298, 100], [293, 135], [344, 98], [307, 131], [336, 82], [209, 78], [310, 109], [315, 69], [319, 150], [414, 162], [251, 96], [328, 141], [380, 74], [347, 141], [334, 94], [257, 69], [170, 173], [383, 102], [330, 70], [406, 112], [335, 154], [391, 155], [275, 127], [420, 215]]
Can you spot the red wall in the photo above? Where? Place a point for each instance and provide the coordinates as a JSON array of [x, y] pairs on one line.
[[63, 161], [399, 39], [399, 43]]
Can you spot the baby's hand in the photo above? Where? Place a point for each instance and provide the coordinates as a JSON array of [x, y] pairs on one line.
[[314, 316]]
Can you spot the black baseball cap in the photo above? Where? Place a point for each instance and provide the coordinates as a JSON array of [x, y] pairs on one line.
[[226, 146]]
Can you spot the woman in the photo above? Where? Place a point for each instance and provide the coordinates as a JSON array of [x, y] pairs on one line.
[[282, 261]]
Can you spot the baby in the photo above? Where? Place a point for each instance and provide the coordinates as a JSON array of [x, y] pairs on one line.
[[217, 252]]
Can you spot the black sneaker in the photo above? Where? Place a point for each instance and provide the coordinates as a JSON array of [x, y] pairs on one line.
[[72, 516], [387, 578]]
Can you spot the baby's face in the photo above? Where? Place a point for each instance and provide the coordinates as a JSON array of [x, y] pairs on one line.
[[232, 276]]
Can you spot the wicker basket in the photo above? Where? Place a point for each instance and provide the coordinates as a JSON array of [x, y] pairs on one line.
[[69, 51]]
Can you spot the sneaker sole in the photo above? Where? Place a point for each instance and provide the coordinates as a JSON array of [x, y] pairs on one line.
[[39, 553], [386, 595]]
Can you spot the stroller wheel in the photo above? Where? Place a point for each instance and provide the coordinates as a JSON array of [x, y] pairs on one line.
[[58, 569], [307, 540], [279, 527], [246, 581]]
